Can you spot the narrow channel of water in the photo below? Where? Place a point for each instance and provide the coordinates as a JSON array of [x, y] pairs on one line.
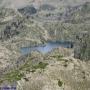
[[46, 48]]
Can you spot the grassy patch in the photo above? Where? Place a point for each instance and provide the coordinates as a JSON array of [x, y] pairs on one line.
[[57, 56], [41, 65], [14, 76], [60, 83], [26, 66]]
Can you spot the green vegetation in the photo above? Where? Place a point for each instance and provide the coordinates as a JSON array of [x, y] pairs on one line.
[[57, 56], [1, 81], [60, 83], [41, 65], [31, 67], [26, 66], [17, 75], [12, 76]]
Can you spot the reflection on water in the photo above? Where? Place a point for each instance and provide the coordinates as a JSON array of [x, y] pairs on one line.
[[47, 47]]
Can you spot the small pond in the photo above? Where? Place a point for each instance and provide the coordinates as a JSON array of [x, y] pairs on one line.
[[46, 48]]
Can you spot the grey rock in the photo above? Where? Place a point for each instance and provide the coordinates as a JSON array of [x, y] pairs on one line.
[[82, 46]]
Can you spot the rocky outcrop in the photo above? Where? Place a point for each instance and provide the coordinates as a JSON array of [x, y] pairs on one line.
[[11, 30], [82, 46], [61, 73], [28, 10], [7, 58]]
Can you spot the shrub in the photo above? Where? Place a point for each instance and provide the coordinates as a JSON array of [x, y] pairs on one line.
[[60, 83]]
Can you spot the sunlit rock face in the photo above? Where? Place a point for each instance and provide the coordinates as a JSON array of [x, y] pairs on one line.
[[82, 46]]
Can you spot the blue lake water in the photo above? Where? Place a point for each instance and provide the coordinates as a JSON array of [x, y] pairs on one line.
[[46, 48]]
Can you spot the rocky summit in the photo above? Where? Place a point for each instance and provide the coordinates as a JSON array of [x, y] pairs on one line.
[[45, 44]]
